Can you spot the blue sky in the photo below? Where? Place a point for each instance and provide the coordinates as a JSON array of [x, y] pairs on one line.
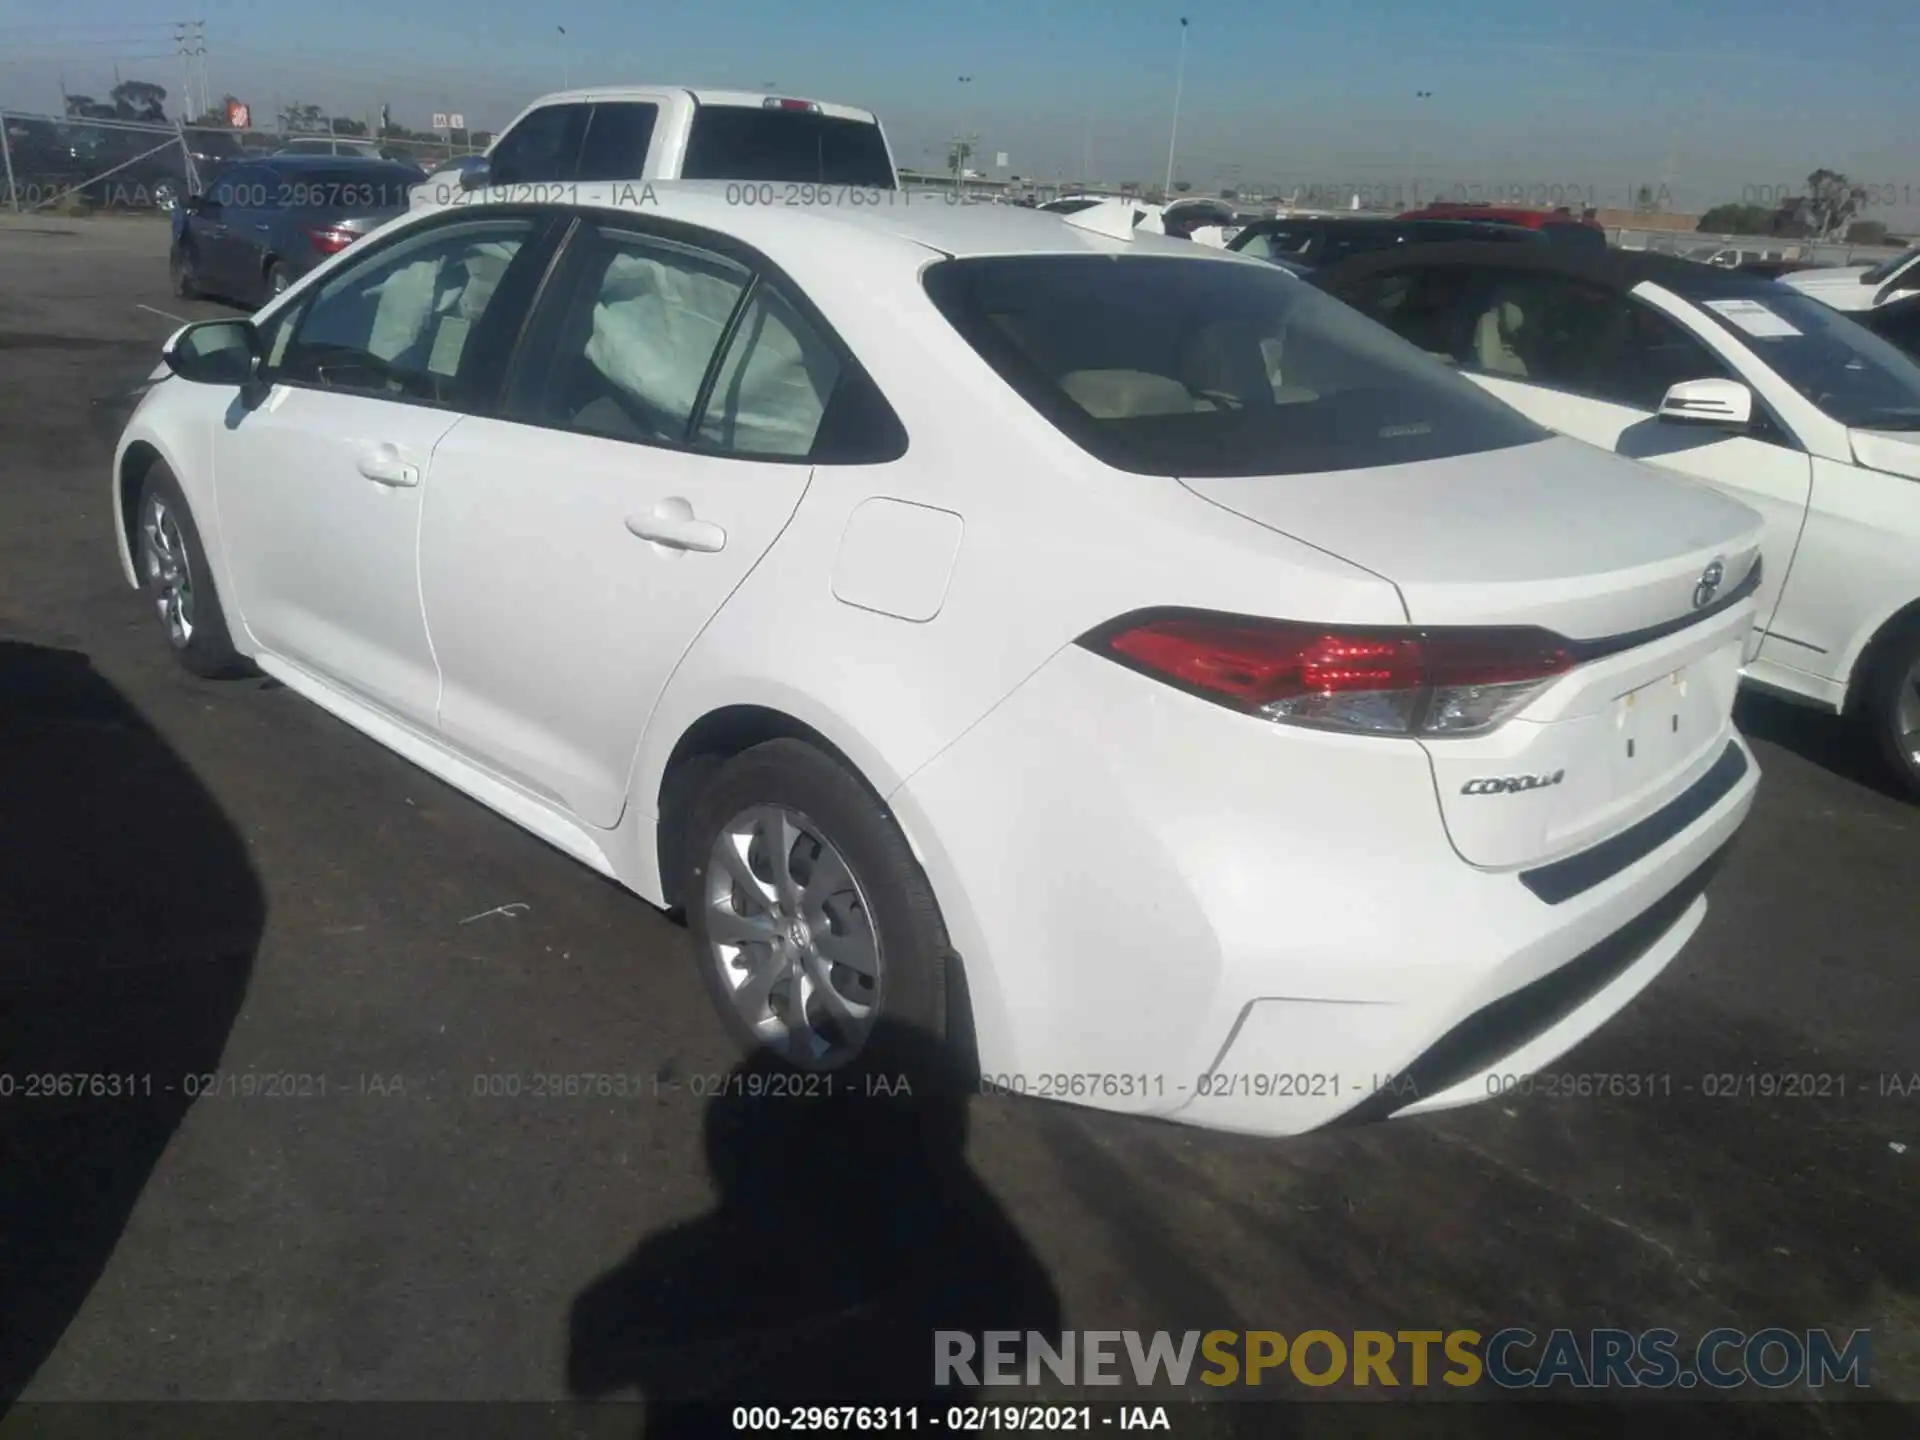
[[1709, 99]]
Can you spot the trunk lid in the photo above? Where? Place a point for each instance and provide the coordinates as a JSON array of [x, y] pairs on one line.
[[1606, 552]]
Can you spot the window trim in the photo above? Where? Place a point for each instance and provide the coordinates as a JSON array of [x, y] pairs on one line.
[[538, 251], [760, 270]]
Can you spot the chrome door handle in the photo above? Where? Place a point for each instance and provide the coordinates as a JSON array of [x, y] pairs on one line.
[[384, 467], [671, 523]]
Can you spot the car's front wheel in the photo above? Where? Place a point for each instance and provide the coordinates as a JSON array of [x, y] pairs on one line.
[[811, 920], [1893, 708], [172, 565]]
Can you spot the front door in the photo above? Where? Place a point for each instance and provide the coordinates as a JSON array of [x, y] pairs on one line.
[[320, 487]]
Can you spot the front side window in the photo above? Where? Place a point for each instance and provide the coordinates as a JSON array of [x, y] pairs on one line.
[[742, 142], [400, 324], [545, 145], [1169, 366], [1849, 373], [639, 323]]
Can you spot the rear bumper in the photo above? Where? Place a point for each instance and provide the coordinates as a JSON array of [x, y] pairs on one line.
[[1167, 909]]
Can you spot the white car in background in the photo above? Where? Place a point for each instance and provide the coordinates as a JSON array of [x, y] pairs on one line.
[[1744, 383], [1859, 287], [1146, 217], [1109, 656], [790, 147]]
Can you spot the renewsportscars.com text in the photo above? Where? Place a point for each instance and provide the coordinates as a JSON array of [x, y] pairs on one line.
[[1512, 1358]]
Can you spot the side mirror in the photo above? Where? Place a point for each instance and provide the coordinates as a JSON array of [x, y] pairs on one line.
[[476, 177], [1721, 404], [214, 352]]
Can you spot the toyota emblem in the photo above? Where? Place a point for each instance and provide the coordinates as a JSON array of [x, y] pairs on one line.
[[1709, 585]]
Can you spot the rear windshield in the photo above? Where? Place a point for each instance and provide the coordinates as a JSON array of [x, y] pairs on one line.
[[737, 142], [1169, 366]]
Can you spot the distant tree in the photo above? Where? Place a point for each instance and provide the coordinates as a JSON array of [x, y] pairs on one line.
[[139, 100], [1182, 186], [1867, 232], [1643, 199], [85, 107], [344, 125], [303, 119], [1832, 201], [1734, 218], [1229, 194]]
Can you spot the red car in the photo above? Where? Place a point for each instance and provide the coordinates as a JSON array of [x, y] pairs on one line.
[[1557, 225]]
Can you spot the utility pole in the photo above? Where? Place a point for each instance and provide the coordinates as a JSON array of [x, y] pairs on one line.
[[1173, 139], [190, 38]]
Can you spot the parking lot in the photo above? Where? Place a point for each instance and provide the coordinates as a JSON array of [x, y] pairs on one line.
[[218, 878]]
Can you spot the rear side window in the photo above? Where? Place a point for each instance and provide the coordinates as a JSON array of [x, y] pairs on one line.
[[617, 141], [545, 145], [1167, 366], [739, 142]]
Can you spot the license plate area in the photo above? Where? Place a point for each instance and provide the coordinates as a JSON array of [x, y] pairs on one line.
[[1659, 726]]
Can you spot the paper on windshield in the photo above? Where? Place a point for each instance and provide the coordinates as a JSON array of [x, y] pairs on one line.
[[1753, 317]]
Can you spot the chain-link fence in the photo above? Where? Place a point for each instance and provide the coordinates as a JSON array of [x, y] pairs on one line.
[[71, 163], [1741, 248]]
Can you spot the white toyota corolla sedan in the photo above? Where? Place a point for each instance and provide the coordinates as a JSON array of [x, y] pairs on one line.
[[1108, 654]]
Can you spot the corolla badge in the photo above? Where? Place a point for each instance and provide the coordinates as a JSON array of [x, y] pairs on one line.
[[1709, 584], [1511, 784]]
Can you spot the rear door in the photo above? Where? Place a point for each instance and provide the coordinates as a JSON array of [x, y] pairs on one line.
[[574, 546]]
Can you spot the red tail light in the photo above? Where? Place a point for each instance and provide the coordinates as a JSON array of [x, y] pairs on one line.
[[331, 239], [1372, 681], [775, 103]]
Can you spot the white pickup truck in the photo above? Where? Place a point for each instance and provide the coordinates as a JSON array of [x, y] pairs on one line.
[[676, 132]]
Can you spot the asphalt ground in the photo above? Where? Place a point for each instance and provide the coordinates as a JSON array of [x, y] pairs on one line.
[[218, 878]]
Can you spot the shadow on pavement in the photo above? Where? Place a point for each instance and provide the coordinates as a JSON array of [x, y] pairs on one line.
[[848, 1230], [129, 916]]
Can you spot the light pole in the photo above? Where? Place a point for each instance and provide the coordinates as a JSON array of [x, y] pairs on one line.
[[1414, 140], [965, 149], [1173, 139]]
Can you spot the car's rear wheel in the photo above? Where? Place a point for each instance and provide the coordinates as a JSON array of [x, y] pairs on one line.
[[172, 565], [185, 265], [811, 919], [277, 280], [1893, 708]]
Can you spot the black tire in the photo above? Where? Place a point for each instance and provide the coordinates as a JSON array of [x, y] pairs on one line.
[[1894, 686], [184, 264], [277, 280], [206, 648], [911, 996]]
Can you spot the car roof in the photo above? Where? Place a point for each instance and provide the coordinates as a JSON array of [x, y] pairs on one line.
[[700, 95], [331, 164], [910, 224], [1614, 269]]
